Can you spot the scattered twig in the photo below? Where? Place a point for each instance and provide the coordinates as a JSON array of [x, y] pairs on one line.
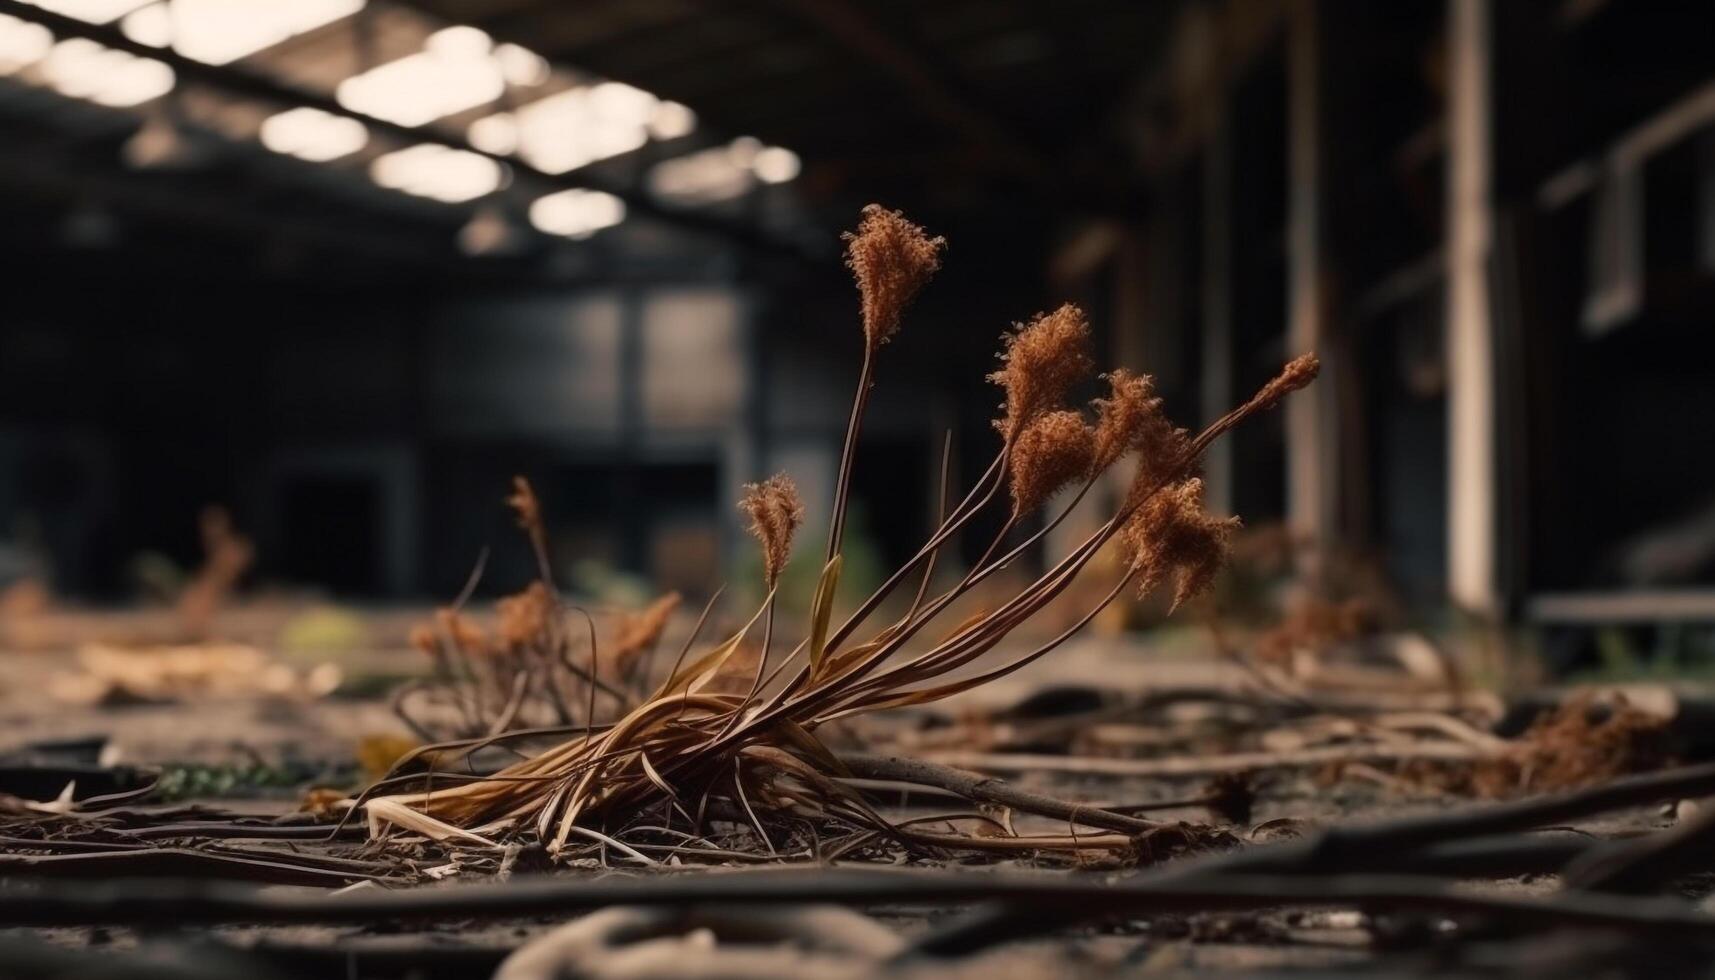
[[987, 789], [1207, 765]]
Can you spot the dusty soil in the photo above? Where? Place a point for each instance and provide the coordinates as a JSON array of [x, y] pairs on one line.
[[324, 733]]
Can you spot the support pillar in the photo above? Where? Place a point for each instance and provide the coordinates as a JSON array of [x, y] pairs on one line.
[[1471, 529], [1312, 476]]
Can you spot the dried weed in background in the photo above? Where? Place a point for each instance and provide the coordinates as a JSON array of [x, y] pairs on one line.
[[1313, 625], [227, 555], [1583, 741]]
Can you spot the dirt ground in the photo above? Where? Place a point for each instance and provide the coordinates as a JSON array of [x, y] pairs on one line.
[[299, 740]]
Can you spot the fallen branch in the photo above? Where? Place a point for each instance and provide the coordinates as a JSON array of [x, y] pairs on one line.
[[1208, 765], [159, 861], [987, 789]]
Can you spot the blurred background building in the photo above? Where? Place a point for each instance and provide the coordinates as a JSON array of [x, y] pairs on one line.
[[345, 266]]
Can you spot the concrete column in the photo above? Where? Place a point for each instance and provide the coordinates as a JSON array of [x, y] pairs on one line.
[[1311, 478], [1471, 532]]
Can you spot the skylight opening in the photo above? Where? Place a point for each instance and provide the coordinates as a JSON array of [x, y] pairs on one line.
[[438, 172], [89, 11], [576, 213], [579, 126], [456, 70], [721, 173], [314, 135], [86, 70], [22, 44], [218, 32]]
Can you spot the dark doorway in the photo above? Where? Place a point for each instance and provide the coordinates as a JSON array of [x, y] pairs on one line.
[[330, 534]]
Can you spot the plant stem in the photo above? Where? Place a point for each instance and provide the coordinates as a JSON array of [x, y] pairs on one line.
[[837, 526]]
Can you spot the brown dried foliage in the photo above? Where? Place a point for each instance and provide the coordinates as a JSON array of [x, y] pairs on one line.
[[1581, 742], [1314, 624], [892, 259], [775, 513], [1040, 362], [1051, 451], [525, 617], [1296, 375], [466, 637], [1588, 739], [637, 633], [227, 555], [1171, 537], [1129, 419]]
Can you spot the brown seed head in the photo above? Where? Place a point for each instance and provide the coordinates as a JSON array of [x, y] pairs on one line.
[[1297, 373], [1132, 419], [891, 259], [468, 638], [422, 639], [1041, 361], [523, 618], [775, 513], [1171, 536], [1052, 450]]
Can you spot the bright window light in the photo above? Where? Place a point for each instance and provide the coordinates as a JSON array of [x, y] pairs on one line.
[[576, 213], [455, 71], [775, 165], [217, 32], [438, 172], [85, 70], [723, 172], [311, 134], [672, 120], [152, 25], [21, 43], [701, 177], [521, 66], [93, 11], [496, 134], [570, 129]]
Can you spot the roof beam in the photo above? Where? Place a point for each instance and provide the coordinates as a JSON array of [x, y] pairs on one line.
[[254, 85]]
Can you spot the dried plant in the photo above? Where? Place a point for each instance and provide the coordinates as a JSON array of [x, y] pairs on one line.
[[775, 512], [1131, 420], [636, 635], [523, 672], [1051, 451], [1171, 536], [227, 555], [720, 734], [892, 260], [1040, 362]]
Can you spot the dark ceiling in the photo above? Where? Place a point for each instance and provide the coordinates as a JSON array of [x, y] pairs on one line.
[[944, 108]]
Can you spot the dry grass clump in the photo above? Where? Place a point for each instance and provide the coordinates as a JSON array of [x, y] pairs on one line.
[[1314, 624], [227, 555], [1580, 742], [524, 670], [699, 743]]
